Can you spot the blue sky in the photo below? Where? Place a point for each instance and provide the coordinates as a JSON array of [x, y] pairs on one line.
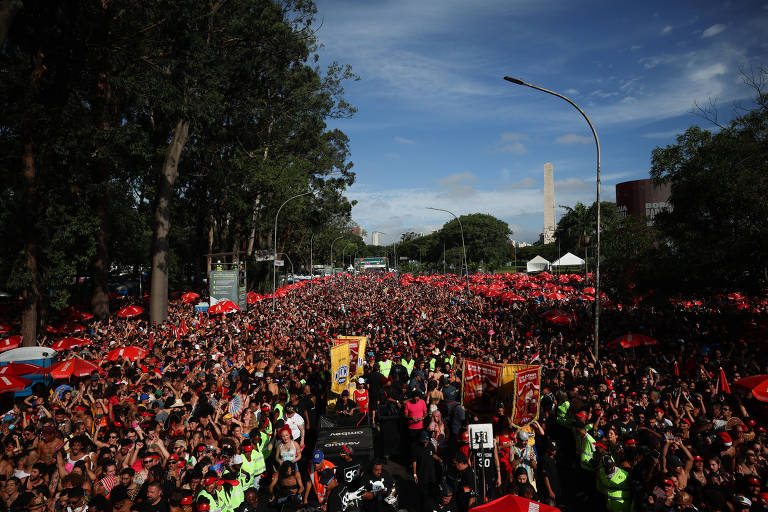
[[438, 126]]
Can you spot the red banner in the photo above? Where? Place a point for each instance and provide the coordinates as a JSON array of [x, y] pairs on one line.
[[480, 386], [527, 396]]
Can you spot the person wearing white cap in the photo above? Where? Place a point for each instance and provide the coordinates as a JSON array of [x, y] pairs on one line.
[[361, 396]]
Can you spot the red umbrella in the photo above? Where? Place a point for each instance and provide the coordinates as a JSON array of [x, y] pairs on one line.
[[584, 296], [132, 353], [5, 328], [557, 296], [80, 316], [225, 306], [75, 367], [10, 383], [66, 328], [511, 297], [70, 343], [589, 290], [756, 384], [253, 297], [16, 369], [10, 342], [189, 297], [512, 503], [557, 317], [632, 341], [130, 311]]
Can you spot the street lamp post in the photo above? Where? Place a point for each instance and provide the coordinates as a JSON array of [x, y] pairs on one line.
[[333, 270], [311, 266], [293, 274], [274, 242], [517, 81], [463, 246]]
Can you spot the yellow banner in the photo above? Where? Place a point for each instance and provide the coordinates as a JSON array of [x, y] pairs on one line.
[[339, 367], [357, 346]]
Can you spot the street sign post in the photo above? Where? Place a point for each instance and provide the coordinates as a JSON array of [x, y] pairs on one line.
[[279, 263]]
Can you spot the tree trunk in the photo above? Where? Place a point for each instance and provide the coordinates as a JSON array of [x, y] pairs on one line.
[[100, 297], [158, 308], [8, 10], [31, 292]]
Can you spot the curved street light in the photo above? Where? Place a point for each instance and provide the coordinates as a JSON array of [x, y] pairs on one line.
[[274, 242], [333, 269], [463, 246], [517, 81]]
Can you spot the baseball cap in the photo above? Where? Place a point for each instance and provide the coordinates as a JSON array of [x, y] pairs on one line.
[[318, 457], [742, 501], [346, 449], [725, 438], [522, 435]]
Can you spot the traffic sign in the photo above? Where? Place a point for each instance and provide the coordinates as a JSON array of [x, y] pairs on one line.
[[279, 263]]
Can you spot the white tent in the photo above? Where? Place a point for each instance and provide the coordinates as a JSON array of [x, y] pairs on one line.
[[569, 260], [537, 264]]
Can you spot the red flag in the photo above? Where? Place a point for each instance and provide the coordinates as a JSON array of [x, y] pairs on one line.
[[722, 382], [183, 327], [677, 370], [151, 340]]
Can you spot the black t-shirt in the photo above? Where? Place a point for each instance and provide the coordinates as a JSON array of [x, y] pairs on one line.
[[464, 486], [160, 506], [308, 409], [548, 468], [381, 487], [425, 465]]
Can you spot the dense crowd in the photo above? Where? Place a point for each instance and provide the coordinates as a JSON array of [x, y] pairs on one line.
[[223, 412]]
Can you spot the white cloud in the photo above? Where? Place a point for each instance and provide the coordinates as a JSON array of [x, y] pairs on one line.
[[713, 30], [709, 72], [572, 91], [403, 140], [511, 143], [667, 29], [572, 138], [602, 94]]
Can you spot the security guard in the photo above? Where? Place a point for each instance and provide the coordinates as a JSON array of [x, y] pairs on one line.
[[385, 366], [613, 482], [252, 464], [208, 491], [561, 416], [585, 445], [408, 363]]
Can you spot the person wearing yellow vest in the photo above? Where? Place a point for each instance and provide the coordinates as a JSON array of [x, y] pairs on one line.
[[252, 465], [408, 364], [229, 494], [585, 445], [208, 491], [385, 367], [321, 478], [613, 482], [561, 416]]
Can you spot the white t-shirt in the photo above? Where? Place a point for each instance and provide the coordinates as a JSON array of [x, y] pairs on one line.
[[295, 422]]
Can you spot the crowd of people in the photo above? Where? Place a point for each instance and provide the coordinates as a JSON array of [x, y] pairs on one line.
[[224, 413]]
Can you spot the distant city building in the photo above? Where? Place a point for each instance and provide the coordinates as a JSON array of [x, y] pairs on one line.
[[518, 244], [642, 198], [355, 230], [548, 235], [375, 238]]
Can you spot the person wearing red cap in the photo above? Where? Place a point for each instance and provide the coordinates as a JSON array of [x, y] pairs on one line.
[[208, 492], [698, 472]]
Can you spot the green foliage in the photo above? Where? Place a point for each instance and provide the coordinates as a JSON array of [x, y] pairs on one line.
[[717, 229]]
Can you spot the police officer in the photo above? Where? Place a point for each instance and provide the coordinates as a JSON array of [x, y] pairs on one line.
[[613, 482]]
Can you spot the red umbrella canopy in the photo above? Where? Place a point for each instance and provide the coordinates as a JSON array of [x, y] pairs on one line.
[[557, 296], [130, 311], [189, 297], [557, 317], [70, 343], [511, 297], [512, 503], [16, 369], [66, 328], [589, 290], [75, 367], [10, 342], [10, 383], [584, 296], [756, 384], [132, 353], [253, 297], [5, 328], [80, 316], [226, 306], [633, 341]]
